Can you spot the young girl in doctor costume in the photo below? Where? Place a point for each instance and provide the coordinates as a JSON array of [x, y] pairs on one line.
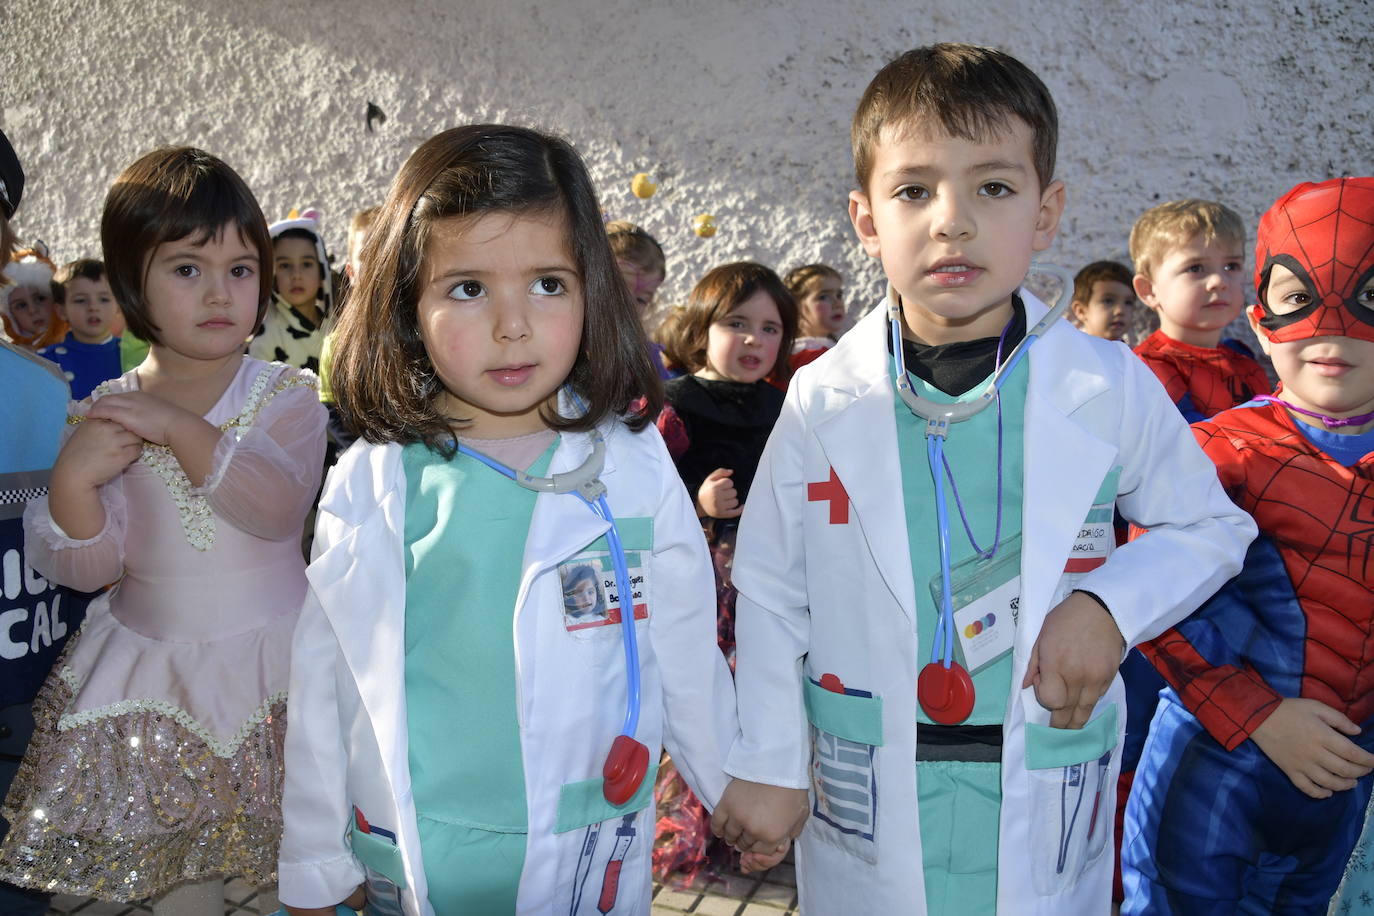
[[452, 721], [156, 760]]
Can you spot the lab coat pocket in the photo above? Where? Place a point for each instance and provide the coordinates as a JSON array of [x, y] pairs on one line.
[[1071, 796], [375, 848], [846, 731], [592, 604], [581, 804]]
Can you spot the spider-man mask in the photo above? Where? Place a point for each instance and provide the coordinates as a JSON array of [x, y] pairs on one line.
[[1324, 233]]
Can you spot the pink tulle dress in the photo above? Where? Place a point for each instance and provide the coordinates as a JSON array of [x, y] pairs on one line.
[[156, 757]]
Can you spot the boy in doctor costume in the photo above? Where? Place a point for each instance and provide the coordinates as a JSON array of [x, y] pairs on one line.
[[941, 725]]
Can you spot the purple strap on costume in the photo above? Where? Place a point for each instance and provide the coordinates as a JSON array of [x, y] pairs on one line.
[[1331, 422]]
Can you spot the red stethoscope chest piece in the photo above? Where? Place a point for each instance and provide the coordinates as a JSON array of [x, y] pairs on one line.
[[624, 771], [946, 694]]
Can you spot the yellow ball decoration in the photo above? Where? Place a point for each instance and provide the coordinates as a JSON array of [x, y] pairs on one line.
[[704, 225], [642, 186]]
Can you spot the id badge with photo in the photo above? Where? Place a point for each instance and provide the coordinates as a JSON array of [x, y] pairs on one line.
[[986, 598], [590, 594]]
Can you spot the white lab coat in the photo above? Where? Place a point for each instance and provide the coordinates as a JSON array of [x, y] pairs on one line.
[[818, 597], [346, 741]]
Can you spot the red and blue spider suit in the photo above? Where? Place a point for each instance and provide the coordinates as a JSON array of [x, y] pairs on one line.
[[1213, 825]]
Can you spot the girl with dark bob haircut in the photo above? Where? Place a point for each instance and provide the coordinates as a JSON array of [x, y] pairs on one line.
[[494, 364], [382, 377], [169, 194]]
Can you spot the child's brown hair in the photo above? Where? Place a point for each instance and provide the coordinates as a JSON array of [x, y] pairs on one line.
[[716, 295], [1172, 224], [633, 244], [969, 92], [382, 377], [1099, 272], [92, 269], [169, 194]]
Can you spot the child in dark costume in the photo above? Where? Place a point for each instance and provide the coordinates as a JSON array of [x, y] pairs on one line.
[[736, 330]]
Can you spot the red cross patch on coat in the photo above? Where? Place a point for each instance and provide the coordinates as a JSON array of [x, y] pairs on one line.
[[833, 491]]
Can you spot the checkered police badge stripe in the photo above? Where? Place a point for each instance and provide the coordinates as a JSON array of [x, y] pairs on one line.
[[18, 488], [22, 495]]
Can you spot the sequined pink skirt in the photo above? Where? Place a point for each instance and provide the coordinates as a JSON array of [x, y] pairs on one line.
[[126, 806]]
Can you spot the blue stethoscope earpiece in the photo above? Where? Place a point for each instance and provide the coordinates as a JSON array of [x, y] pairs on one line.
[[628, 760], [943, 688]]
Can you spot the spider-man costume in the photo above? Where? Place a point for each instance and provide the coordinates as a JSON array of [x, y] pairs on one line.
[[1213, 825], [1203, 381]]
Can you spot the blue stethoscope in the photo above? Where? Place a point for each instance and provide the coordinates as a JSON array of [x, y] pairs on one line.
[[944, 688], [628, 760]]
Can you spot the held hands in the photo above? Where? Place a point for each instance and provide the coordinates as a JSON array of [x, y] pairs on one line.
[[1307, 740], [761, 819], [1074, 660], [750, 862], [717, 497]]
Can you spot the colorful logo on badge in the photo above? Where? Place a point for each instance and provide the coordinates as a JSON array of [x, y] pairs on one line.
[[979, 626]]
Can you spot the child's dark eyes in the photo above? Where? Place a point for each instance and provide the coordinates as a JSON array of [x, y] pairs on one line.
[[1290, 302], [994, 189], [548, 286], [913, 192], [468, 289], [240, 271], [1366, 296], [187, 270]]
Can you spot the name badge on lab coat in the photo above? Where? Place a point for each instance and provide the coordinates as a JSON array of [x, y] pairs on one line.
[[986, 598]]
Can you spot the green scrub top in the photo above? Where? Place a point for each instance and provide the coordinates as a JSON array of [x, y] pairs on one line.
[[960, 801], [971, 450], [465, 532]]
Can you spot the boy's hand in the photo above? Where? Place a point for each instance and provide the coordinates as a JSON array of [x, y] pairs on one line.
[[356, 901], [717, 497], [756, 817], [1307, 740], [751, 862], [1074, 659]]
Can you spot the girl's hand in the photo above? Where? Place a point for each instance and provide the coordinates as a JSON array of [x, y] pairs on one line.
[[1307, 740], [94, 455], [143, 414], [750, 862], [717, 497]]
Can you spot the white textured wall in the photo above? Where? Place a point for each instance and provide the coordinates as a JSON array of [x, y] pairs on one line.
[[740, 109]]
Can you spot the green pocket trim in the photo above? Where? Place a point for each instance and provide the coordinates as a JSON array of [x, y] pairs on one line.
[[854, 718], [1047, 748], [636, 533], [1107, 492], [379, 854], [582, 803]]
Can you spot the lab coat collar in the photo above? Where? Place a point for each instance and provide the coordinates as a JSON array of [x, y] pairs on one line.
[[1064, 466], [365, 566], [1070, 373], [854, 379]]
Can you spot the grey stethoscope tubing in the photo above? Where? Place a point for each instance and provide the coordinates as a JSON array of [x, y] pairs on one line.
[[944, 689], [939, 417]]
